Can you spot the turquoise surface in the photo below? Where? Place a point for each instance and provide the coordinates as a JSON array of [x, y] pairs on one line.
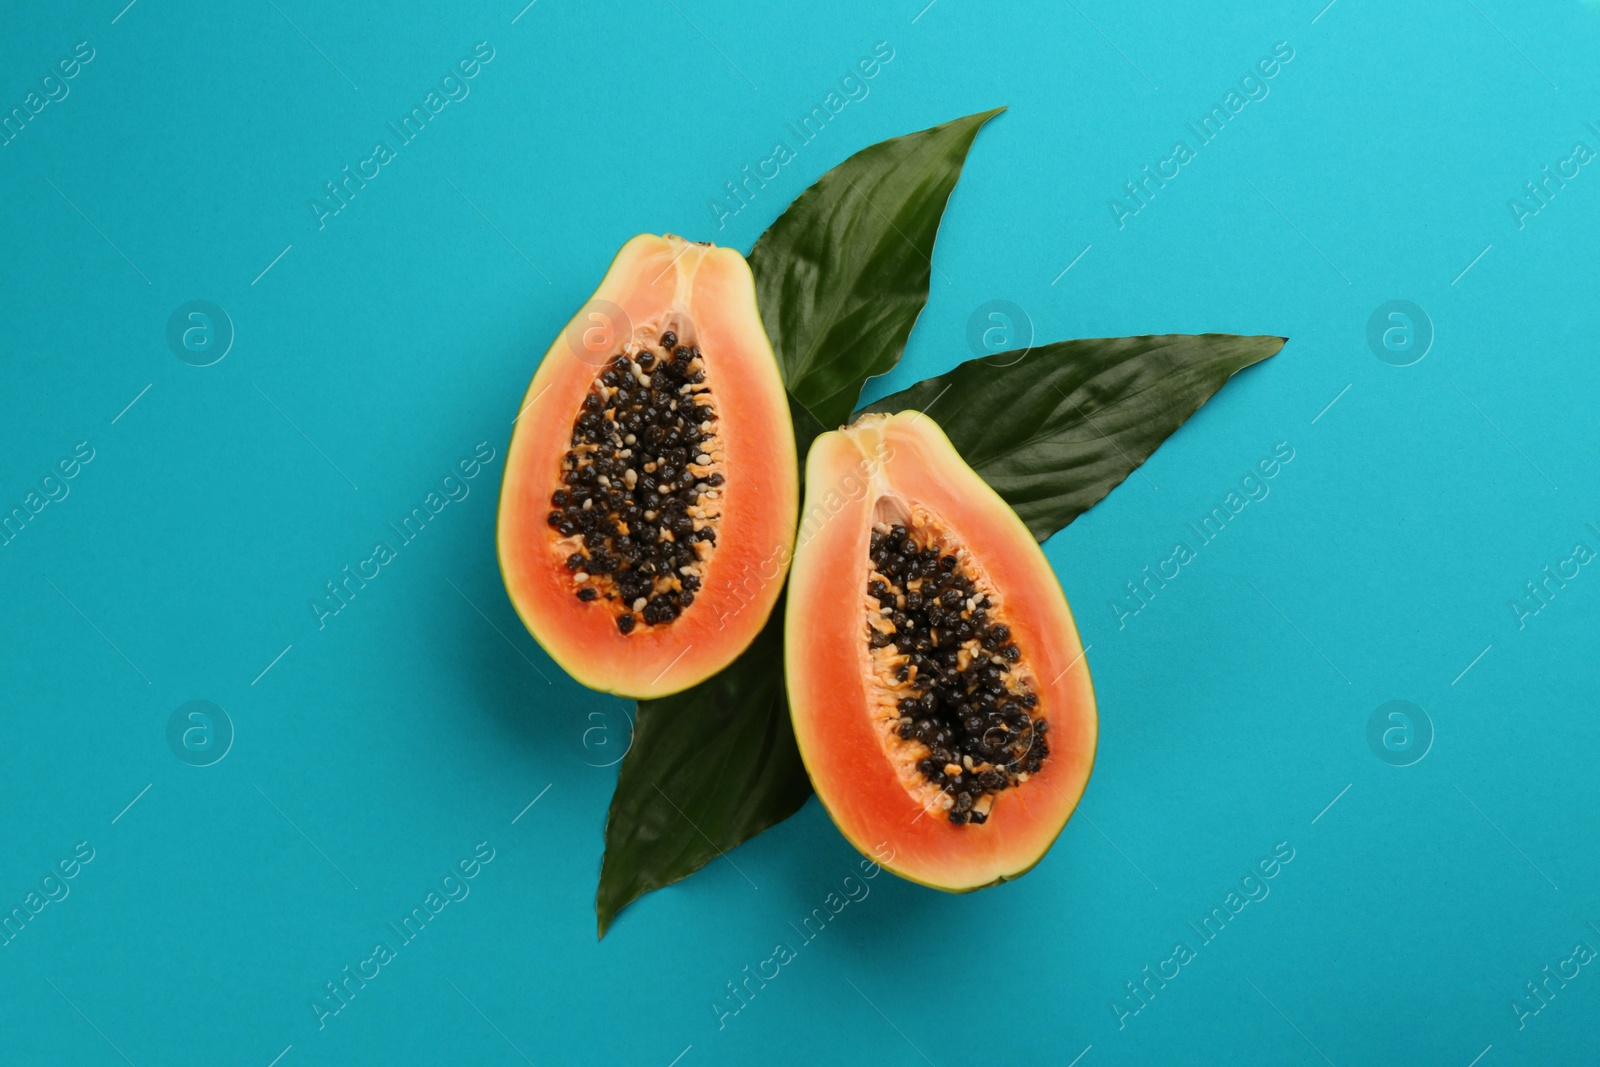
[[192, 877]]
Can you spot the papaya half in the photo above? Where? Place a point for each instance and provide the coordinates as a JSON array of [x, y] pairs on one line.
[[650, 492], [936, 679]]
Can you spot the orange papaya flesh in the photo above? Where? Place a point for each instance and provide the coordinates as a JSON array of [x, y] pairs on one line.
[[938, 687], [648, 505]]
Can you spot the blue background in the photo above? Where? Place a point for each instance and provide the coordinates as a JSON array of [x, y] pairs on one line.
[[376, 352]]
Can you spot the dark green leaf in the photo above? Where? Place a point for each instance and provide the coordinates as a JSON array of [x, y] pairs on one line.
[[841, 277], [806, 430], [1059, 426], [843, 273], [709, 768]]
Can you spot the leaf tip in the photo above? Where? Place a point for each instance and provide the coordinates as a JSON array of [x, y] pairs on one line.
[[978, 119]]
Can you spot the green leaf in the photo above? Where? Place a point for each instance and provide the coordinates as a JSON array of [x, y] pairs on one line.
[[806, 430], [1057, 427], [709, 768], [841, 277], [843, 273]]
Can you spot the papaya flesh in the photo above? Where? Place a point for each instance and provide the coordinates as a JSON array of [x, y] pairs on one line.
[[936, 678], [650, 491]]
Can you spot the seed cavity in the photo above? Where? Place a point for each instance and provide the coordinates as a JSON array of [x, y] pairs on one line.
[[962, 701], [636, 507]]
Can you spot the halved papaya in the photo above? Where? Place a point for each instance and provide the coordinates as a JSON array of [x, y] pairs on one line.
[[650, 490], [936, 679]]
